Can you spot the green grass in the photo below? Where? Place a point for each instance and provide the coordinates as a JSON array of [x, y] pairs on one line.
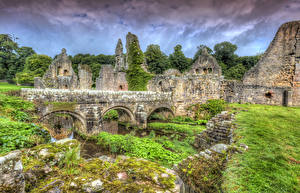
[[180, 128], [16, 129], [273, 136], [5, 87]]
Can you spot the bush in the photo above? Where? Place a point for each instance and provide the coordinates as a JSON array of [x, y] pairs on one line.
[[138, 147], [157, 116], [208, 110], [111, 115], [16, 135], [16, 108]]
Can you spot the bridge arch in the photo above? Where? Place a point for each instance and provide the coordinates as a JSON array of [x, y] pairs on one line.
[[123, 108], [158, 109], [74, 114]]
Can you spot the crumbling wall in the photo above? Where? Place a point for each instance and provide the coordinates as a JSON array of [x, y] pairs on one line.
[[219, 129], [205, 64], [114, 78], [59, 75], [85, 77], [276, 68]]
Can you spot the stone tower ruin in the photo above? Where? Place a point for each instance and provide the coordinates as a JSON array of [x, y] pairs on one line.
[[280, 65], [60, 74], [114, 78]]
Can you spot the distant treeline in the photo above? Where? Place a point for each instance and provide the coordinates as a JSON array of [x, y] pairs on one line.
[[22, 64]]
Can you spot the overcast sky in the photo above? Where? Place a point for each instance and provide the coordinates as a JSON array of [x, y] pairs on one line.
[[94, 26]]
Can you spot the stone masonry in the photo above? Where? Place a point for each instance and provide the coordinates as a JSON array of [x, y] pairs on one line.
[[202, 82], [219, 129], [89, 106], [279, 67], [114, 78], [60, 74]]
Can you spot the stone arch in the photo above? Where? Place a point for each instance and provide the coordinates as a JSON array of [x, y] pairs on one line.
[[157, 109], [127, 110], [61, 123], [74, 114]]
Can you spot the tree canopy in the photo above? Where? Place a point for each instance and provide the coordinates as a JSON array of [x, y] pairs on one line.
[[156, 60], [35, 66], [178, 59]]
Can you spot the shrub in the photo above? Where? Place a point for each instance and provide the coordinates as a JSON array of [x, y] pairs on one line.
[[111, 115], [17, 135], [138, 147], [211, 108], [157, 116]]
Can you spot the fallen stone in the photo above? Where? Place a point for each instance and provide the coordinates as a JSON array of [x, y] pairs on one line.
[[219, 148]]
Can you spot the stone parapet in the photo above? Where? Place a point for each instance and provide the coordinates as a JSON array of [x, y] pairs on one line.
[[93, 96]]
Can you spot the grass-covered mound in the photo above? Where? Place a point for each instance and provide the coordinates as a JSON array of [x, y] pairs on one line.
[[271, 163]]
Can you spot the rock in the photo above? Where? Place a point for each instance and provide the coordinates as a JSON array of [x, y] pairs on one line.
[[11, 173], [205, 155], [219, 148], [44, 153], [122, 176], [244, 146], [106, 159], [93, 186]]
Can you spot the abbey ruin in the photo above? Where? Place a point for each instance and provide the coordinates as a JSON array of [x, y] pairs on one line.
[[275, 80]]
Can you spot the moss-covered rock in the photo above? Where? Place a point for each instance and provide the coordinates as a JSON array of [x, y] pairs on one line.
[[58, 167]]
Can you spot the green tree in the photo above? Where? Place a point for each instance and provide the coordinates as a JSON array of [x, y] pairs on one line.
[[236, 72], [23, 53], [35, 66], [249, 61], [178, 59], [8, 57], [199, 51], [136, 77], [224, 52], [156, 60]]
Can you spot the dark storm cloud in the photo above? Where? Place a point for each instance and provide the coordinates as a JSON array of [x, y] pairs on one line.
[[93, 26]]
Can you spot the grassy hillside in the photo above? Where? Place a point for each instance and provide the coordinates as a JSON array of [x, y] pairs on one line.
[[270, 164]]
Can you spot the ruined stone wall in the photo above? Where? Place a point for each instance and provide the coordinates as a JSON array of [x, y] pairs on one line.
[[187, 89], [219, 129], [277, 66], [85, 77], [60, 74], [236, 92]]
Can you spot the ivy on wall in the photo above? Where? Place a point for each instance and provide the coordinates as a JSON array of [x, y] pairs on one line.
[[136, 77]]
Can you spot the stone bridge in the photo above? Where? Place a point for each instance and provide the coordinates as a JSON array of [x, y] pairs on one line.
[[89, 106]]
